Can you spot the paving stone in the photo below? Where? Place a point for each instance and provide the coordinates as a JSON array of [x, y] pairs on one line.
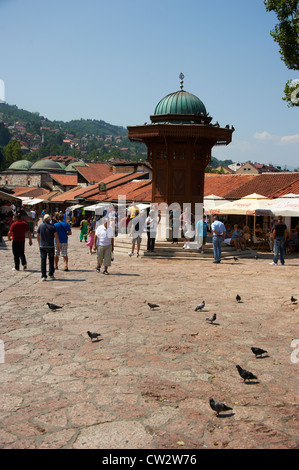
[[146, 384]]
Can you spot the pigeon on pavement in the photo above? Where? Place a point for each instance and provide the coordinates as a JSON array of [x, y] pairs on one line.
[[53, 306], [293, 299], [152, 306], [245, 374], [200, 306], [238, 298], [218, 406], [93, 335], [258, 351], [212, 318]]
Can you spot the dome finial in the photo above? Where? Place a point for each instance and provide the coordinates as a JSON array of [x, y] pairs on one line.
[[181, 77]]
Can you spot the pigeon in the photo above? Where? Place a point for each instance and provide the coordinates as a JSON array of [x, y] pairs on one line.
[[53, 306], [212, 318], [245, 374], [293, 299], [235, 258], [200, 306], [153, 306], [258, 351], [238, 298], [218, 406], [93, 335]]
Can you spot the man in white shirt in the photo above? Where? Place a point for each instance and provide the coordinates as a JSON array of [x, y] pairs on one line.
[[104, 244], [218, 231]]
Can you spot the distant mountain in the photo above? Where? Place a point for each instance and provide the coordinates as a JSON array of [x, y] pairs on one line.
[[11, 114], [89, 139]]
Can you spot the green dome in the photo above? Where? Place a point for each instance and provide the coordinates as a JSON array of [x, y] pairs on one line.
[[46, 164], [182, 103], [72, 166], [61, 165], [20, 165]]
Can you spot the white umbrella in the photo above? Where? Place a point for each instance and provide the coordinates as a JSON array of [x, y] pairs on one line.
[[285, 206], [248, 205], [212, 202]]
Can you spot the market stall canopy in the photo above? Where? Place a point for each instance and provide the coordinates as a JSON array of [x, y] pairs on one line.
[[30, 201], [9, 197], [143, 206], [212, 202], [76, 206], [285, 206], [248, 205], [99, 207]]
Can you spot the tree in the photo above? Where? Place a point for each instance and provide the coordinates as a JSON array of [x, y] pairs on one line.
[[286, 34], [4, 135], [12, 152]]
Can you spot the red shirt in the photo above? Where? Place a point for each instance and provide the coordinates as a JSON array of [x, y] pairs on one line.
[[18, 230]]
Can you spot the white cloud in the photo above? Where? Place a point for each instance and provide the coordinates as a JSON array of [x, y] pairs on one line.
[[264, 136], [290, 139]]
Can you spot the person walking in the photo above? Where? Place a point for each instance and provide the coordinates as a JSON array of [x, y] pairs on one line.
[[84, 229], [90, 242], [104, 245], [46, 233], [16, 233], [280, 236], [201, 233], [136, 229], [218, 231], [151, 224], [63, 231]]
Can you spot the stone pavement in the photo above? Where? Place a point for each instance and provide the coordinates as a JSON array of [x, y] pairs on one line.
[[146, 383]]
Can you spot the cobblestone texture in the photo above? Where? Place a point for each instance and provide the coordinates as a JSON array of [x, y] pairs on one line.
[[146, 383]]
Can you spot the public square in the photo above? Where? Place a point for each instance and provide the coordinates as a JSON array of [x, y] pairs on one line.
[[146, 382]]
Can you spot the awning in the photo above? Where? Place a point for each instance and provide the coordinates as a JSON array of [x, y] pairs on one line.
[[143, 206], [30, 201], [248, 205], [284, 206], [9, 197], [76, 206], [98, 208], [212, 202]]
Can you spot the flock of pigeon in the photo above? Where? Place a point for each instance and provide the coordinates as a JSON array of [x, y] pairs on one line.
[[246, 375], [216, 406]]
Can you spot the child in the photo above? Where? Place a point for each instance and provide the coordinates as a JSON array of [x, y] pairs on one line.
[[201, 233], [90, 242]]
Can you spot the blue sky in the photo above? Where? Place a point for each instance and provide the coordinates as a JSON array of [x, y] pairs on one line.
[[114, 60]]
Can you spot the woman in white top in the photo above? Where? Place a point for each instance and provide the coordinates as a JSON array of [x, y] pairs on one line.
[[151, 224]]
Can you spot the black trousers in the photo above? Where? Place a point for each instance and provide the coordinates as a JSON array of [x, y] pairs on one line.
[[150, 241], [18, 249], [44, 254]]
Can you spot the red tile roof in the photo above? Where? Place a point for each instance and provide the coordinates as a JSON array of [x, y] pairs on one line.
[[266, 184], [35, 191], [65, 180], [290, 188], [95, 172], [220, 185], [140, 190]]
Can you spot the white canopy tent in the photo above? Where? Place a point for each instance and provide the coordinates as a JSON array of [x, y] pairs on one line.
[[212, 202], [253, 204], [99, 207], [248, 205], [287, 206], [30, 201]]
